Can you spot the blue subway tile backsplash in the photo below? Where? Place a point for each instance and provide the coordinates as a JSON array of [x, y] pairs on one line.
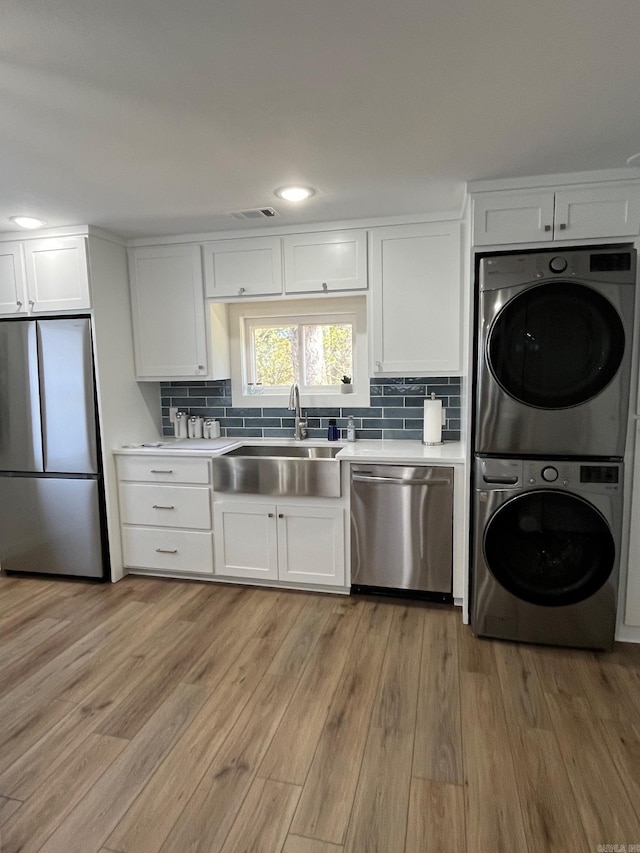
[[395, 410]]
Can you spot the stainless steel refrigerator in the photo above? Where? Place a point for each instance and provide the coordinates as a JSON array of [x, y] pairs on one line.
[[51, 498]]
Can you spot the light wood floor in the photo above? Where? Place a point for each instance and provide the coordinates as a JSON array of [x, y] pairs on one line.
[[179, 717]]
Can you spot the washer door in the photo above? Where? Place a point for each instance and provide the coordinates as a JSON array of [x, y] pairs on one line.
[[556, 345], [549, 547]]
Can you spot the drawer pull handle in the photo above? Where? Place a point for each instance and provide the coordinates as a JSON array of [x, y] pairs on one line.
[[156, 471], [167, 550], [159, 506]]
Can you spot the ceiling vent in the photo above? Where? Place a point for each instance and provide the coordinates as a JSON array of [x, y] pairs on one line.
[[256, 213]]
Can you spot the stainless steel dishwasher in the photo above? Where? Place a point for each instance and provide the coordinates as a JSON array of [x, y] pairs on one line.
[[402, 530]]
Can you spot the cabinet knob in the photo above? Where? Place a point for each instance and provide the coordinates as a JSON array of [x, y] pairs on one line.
[[241, 291], [324, 286], [31, 303], [201, 367], [547, 228], [19, 304], [280, 515], [563, 226], [270, 514], [378, 365]]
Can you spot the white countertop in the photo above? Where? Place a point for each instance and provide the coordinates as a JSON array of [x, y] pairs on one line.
[[450, 452]]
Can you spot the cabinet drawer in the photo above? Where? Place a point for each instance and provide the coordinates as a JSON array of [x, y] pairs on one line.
[[170, 550], [165, 506], [159, 469]]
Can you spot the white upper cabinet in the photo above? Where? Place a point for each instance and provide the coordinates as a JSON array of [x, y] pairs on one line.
[[169, 330], [512, 217], [13, 299], [596, 213], [57, 274], [246, 267], [572, 213], [325, 262], [416, 287]]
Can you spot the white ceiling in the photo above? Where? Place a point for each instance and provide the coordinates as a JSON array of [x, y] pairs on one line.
[[151, 117]]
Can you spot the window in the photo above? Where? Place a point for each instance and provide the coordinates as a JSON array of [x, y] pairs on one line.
[[316, 354], [279, 343]]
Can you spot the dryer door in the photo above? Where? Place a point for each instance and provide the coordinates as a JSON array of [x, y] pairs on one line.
[[556, 345], [549, 547]]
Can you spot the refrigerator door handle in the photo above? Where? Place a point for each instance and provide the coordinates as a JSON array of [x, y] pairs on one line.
[[35, 424]]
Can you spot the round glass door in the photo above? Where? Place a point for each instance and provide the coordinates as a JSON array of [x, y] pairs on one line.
[[556, 345], [549, 548]]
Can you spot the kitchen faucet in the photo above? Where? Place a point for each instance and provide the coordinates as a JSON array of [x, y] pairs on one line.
[[300, 431]]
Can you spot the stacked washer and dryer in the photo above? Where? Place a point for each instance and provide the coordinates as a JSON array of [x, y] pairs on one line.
[[551, 403]]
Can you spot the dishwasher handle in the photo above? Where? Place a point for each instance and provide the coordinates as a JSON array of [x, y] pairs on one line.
[[398, 481]]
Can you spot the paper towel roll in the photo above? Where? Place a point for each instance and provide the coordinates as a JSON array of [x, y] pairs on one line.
[[432, 430]]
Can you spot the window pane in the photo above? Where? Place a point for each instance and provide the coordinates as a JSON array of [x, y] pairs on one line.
[[328, 353], [276, 355]]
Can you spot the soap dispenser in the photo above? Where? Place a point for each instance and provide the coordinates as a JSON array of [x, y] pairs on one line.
[[351, 429]]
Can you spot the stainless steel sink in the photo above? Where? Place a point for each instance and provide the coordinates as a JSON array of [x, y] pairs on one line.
[[287, 451], [279, 471]]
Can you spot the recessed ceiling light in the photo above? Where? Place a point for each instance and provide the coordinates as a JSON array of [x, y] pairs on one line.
[[28, 221], [295, 193]]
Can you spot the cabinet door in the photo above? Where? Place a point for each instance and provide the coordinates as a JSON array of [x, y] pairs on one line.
[[632, 609], [245, 540], [512, 217], [13, 298], [168, 312], [243, 268], [57, 274], [325, 262], [597, 213], [311, 544], [416, 299]]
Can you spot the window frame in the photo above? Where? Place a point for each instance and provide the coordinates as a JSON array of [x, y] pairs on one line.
[[246, 315]]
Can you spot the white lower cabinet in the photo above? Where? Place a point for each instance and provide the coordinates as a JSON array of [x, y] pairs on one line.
[[168, 550], [301, 544], [165, 512]]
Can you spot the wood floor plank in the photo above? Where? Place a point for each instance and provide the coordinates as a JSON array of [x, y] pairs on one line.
[[398, 691], [150, 819], [92, 820], [32, 722], [379, 817], [547, 802], [602, 801], [438, 742], [298, 844], [522, 692], [50, 679], [7, 808], [128, 717], [40, 816], [436, 818], [294, 653], [476, 654], [250, 611], [623, 742], [36, 765], [328, 793], [493, 815], [307, 713], [263, 821], [26, 642], [558, 669], [208, 816]]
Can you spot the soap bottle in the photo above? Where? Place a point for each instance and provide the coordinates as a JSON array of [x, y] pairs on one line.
[[332, 433], [351, 429]]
